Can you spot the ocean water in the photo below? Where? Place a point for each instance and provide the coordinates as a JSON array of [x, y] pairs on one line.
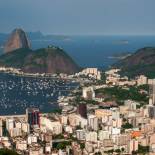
[[18, 93], [96, 51]]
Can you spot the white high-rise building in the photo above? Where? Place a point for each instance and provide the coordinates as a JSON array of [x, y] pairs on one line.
[[103, 135], [152, 92], [9, 124], [132, 145], [1, 128], [93, 122]]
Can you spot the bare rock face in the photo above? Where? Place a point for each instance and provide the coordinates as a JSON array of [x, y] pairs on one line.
[[17, 39]]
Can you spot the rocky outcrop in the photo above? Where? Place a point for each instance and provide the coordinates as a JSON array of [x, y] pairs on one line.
[[17, 40]]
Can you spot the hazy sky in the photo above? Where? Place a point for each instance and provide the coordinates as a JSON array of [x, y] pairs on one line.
[[79, 16]]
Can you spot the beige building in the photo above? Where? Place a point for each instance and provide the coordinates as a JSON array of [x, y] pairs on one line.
[[64, 119], [124, 110], [117, 123], [142, 79], [144, 141], [36, 150], [102, 113], [108, 144], [91, 136], [48, 148], [5, 141], [76, 149], [132, 145], [147, 128], [152, 139], [94, 72], [122, 139], [76, 120], [52, 125], [15, 132], [102, 135], [21, 145]]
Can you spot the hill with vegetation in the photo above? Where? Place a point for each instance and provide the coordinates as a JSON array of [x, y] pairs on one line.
[[119, 95], [141, 62], [45, 60]]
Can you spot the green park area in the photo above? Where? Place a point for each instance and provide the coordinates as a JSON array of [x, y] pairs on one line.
[[119, 94]]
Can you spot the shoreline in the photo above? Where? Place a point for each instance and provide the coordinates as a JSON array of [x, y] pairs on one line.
[[52, 103], [19, 73]]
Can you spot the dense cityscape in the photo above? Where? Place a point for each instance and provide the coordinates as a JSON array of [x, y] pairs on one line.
[[107, 114]]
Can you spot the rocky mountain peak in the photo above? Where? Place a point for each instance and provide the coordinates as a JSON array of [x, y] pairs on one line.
[[17, 39]]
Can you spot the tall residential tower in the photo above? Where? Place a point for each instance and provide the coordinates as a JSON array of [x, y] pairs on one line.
[[33, 117]]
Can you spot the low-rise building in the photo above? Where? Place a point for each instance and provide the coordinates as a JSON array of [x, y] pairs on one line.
[[142, 80], [21, 145], [91, 136], [81, 134], [52, 125], [88, 93]]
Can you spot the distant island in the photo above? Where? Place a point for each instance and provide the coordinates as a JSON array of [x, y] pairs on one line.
[[120, 55], [121, 42]]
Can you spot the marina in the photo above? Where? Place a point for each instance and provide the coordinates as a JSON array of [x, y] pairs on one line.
[[17, 93]]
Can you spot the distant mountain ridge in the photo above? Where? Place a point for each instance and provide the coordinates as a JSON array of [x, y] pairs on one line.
[[141, 62], [33, 36], [30, 35]]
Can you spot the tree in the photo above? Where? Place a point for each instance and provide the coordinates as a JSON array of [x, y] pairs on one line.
[[143, 149], [82, 145], [127, 126], [7, 152], [98, 153], [118, 151], [60, 146], [122, 149]]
